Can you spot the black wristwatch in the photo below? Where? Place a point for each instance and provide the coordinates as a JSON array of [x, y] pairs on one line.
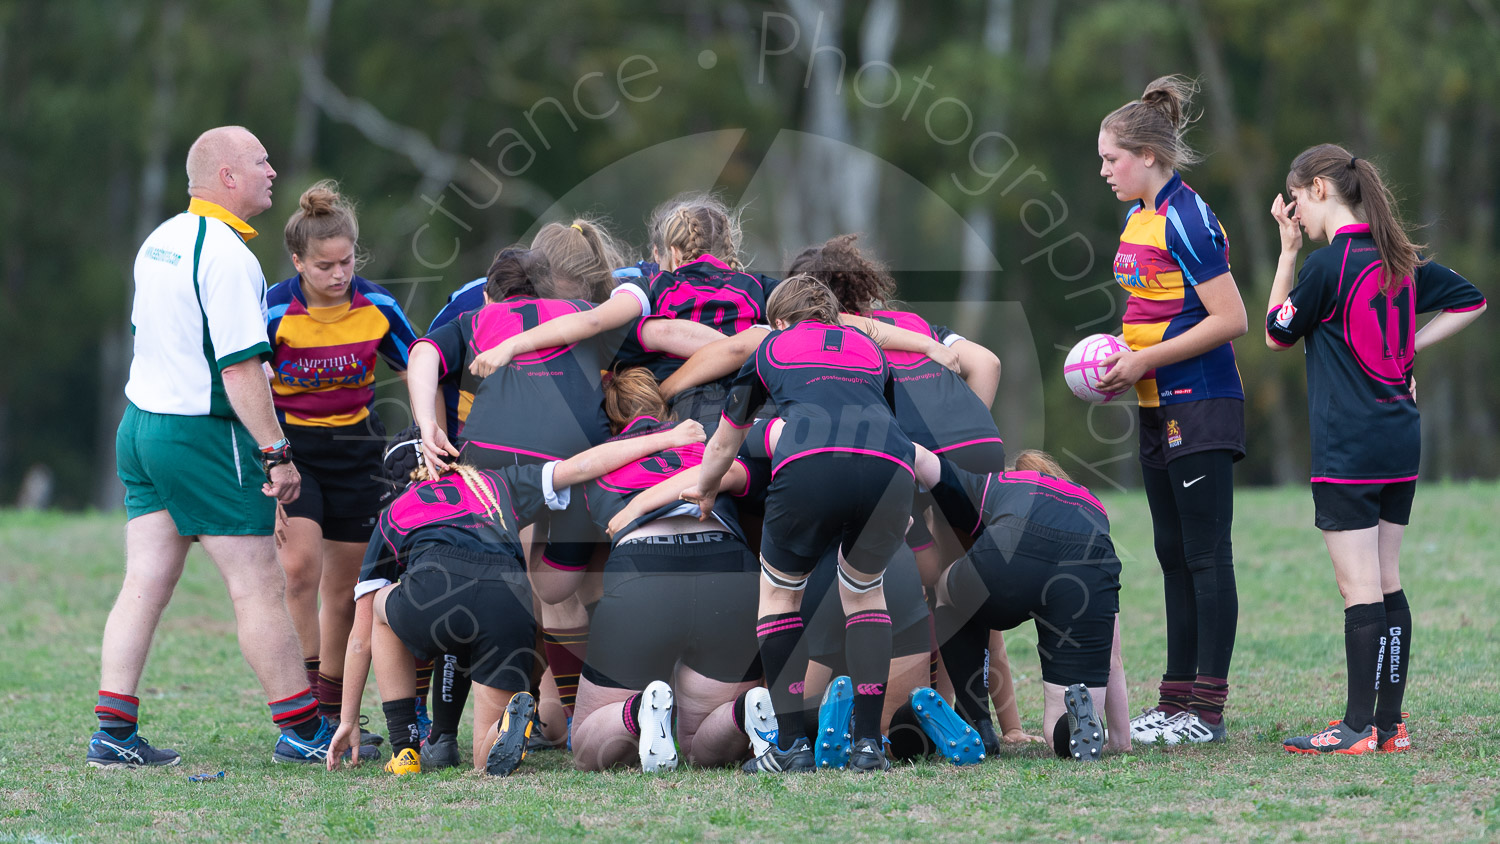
[[276, 454]]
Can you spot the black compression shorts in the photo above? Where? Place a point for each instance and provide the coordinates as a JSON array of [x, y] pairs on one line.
[[1068, 583], [695, 601], [858, 503], [474, 606]]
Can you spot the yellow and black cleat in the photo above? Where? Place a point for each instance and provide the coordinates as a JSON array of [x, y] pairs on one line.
[[509, 749]]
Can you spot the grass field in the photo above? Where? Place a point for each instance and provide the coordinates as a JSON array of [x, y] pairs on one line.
[[59, 574]]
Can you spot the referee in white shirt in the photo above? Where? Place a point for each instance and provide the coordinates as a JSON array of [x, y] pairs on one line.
[[201, 454]]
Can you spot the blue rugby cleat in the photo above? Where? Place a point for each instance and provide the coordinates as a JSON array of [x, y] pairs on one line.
[[831, 745], [949, 733]]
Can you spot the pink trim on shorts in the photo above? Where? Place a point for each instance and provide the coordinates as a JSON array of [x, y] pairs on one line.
[[1357, 481]]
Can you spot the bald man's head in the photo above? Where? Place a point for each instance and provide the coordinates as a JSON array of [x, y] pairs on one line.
[[228, 165]]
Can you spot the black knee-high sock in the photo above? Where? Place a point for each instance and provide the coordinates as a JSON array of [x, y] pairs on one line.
[[867, 649], [780, 640], [963, 656], [1397, 662], [401, 723], [450, 691], [1364, 632]]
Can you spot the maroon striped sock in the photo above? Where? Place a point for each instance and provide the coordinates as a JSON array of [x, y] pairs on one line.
[[1209, 695], [565, 649], [1176, 696], [330, 694], [310, 667]]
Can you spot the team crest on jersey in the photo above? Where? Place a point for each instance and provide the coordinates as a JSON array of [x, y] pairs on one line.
[[1174, 434], [1285, 313]]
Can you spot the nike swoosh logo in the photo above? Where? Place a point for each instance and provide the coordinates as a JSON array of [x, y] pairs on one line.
[[1186, 484], [663, 730]]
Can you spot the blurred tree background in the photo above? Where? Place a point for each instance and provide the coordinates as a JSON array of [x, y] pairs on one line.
[[959, 137]]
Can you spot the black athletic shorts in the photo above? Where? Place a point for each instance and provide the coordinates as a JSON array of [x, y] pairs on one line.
[[1069, 583], [1357, 506], [1174, 430], [474, 606], [663, 600], [904, 600], [571, 535], [342, 477], [855, 502]]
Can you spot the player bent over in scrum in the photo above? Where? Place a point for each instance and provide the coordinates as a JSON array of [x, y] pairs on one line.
[[841, 478], [678, 607], [1041, 550], [454, 542]]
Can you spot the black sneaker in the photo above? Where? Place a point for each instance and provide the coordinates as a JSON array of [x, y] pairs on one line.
[[777, 761], [1079, 734], [440, 752], [868, 755], [106, 751], [509, 749], [366, 737]]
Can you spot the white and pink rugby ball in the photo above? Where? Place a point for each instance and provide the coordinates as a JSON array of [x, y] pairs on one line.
[[1085, 366]]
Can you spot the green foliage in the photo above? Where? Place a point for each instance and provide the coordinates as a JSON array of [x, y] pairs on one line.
[[1411, 86]]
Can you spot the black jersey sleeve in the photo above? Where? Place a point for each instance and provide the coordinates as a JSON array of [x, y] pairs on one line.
[[747, 394], [524, 486], [1310, 302], [945, 335], [1442, 289], [380, 561], [448, 339], [960, 495]]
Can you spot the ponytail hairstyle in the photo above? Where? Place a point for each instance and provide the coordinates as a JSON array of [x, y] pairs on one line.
[[697, 224], [322, 213], [1155, 122], [860, 283], [1358, 184], [632, 393], [800, 298], [472, 480], [582, 256], [517, 271], [1032, 460]]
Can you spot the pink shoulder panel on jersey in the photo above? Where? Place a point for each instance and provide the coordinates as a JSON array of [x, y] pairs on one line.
[[811, 343]]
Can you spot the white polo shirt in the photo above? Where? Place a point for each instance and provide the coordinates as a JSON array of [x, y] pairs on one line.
[[199, 307]]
